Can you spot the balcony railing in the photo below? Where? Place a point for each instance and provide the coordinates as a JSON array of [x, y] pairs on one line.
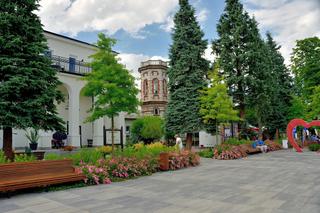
[[153, 62], [69, 65]]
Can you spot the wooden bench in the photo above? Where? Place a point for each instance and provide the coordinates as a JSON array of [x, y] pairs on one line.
[[249, 149], [14, 176]]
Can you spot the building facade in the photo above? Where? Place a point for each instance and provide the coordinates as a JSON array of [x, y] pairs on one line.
[[70, 58], [154, 91]]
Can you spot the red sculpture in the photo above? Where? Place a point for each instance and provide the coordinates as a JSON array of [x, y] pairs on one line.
[[298, 122]]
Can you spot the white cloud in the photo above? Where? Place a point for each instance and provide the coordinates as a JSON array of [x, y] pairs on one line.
[[208, 54], [201, 14], [287, 20], [74, 16]]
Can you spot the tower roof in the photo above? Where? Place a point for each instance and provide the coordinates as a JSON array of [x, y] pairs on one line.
[[153, 64]]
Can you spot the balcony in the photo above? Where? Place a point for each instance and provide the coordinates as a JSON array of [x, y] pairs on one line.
[[154, 62], [69, 65]]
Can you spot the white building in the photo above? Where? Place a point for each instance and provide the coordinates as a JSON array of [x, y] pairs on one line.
[[69, 56]]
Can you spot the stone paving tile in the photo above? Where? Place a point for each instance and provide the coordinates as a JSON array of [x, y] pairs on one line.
[[277, 182]]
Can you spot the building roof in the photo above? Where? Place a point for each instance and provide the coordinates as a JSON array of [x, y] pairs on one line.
[[75, 40]]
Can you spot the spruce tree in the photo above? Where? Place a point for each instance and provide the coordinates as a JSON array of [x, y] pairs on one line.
[[281, 82], [186, 74], [233, 49], [259, 79], [28, 84]]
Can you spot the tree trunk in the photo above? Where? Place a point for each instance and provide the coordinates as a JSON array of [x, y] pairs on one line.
[[189, 141], [112, 134], [260, 129], [277, 135], [217, 137], [7, 142]]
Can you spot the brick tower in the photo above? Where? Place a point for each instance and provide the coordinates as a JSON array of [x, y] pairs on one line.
[[154, 92]]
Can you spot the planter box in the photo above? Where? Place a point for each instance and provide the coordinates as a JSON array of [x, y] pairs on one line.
[[164, 161]]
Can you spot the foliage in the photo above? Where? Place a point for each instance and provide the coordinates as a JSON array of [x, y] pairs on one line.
[[236, 142], [152, 128], [136, 129], [306, 65], [147, 129], [54, 156], [297, 108], [110, 83], [183, 159], [84, 155], [206, 153], [24, 158], [95, 174], [216, 105], [3, 158], [33, 136], [234, 48], [314, 147], [314, 106], [104, 149], [141, 151], [28, 88], [186, 72], [282, 88]]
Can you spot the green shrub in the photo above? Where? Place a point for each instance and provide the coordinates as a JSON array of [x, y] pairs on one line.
[[24, 158], [136, 128], [147, 129], [54, 156], [314, 147], [3, 158], [236, 142], [86, 156], [206, 153]]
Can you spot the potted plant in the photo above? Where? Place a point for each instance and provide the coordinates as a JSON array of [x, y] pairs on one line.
[[33, 138]]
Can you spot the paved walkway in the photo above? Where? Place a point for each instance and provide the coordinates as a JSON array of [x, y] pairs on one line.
[[282, 181]]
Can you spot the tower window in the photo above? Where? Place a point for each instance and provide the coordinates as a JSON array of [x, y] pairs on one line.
[[164, 87], [155, 86], [145, 87], [156, 111]]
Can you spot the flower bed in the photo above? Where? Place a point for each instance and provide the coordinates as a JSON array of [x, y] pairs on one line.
[[232, 149]]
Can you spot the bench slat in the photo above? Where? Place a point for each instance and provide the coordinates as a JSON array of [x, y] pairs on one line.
[[15, 176]]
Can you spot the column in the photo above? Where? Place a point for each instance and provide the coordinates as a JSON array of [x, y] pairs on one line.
[[74, 108], [98, 132]]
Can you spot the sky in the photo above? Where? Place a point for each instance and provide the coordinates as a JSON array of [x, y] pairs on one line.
[[143, 27]]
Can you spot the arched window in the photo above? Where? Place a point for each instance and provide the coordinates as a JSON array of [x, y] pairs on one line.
[[164, 85], [156, 111], [155, 86], [145, 87]]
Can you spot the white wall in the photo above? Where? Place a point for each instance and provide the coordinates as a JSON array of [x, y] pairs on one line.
[[208, 140], [65, 48]]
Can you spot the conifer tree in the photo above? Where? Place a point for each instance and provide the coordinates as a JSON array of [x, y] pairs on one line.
[[28, 84], [281, 82], [233, 48], [186, 74]]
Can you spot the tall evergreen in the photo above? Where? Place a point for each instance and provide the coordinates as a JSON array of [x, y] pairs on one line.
[[28, 84], [259, 78], [186, 73], [281, 82], [233, 49]]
